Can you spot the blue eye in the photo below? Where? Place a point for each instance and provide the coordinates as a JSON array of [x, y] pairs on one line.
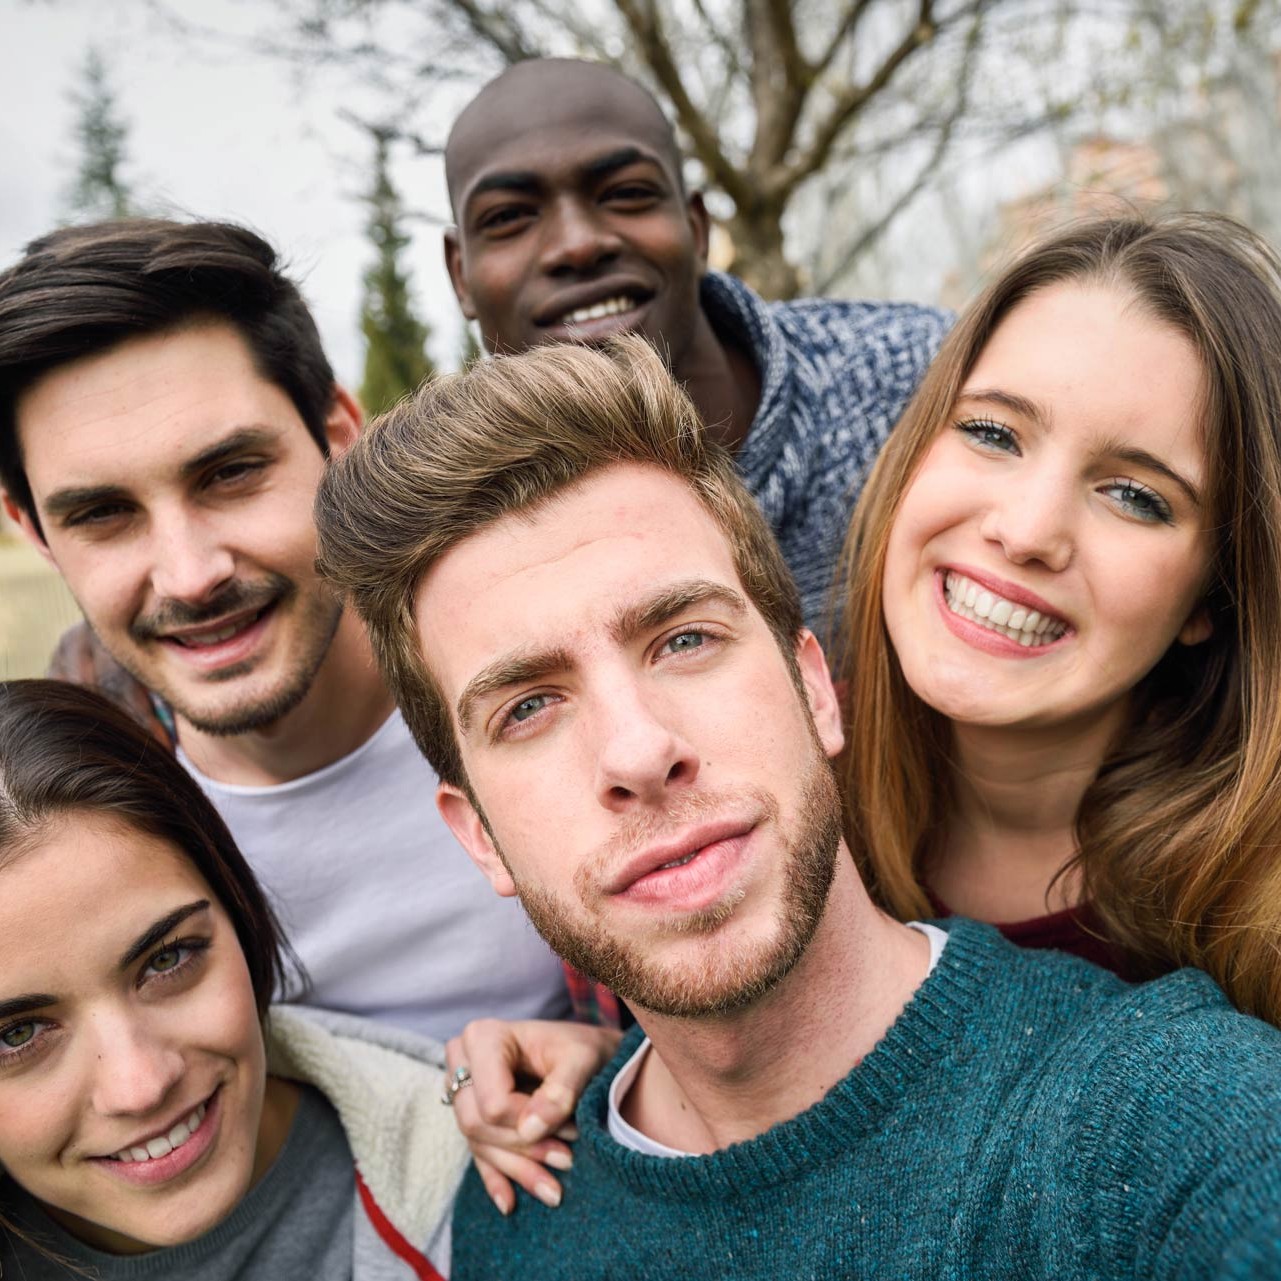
[[1139, 501], [528, 707], [685, 641], [989, 435]]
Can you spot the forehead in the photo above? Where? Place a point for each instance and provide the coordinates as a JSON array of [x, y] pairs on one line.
[[155, 399], [1097, 361], [552, 123], [85, 886], [561, 577]]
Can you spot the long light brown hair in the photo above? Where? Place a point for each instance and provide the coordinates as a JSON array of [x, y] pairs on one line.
[[1179, 834]]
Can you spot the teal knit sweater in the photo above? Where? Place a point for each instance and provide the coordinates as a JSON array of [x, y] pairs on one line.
[[1027, 1116]]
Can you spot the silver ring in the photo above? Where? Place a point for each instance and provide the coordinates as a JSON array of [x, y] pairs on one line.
[[459, 1079]]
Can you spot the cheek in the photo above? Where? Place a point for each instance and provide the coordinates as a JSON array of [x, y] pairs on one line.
[[37, 1119]]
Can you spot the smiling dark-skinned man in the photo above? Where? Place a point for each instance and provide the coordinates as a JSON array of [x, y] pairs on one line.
[[573, 223]]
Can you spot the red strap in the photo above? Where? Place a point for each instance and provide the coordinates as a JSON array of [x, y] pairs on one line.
[[395, 1242]]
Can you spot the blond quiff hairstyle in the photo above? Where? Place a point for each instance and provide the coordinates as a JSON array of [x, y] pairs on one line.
[[503, 438]]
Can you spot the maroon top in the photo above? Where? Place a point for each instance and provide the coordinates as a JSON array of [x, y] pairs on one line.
[[1075, 930]]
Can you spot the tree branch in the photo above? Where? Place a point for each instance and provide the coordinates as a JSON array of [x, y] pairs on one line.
[[853, 15], [642, 18]]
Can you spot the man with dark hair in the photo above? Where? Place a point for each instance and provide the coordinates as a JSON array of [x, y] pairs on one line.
[[573, 224], [595, 639], [166, 410]]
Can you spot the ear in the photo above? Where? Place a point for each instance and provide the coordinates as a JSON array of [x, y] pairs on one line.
[[824, 706], [701, 224], [454, 265], [465, 823], [344, 421], [1198, 627], [24, 522]]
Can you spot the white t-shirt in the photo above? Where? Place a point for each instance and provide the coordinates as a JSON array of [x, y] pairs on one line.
[[629, 1136], [390, 916]]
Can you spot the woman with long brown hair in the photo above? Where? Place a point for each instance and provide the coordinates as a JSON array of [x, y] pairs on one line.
[[1063, 627]]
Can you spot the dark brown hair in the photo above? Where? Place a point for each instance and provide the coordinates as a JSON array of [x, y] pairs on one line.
[[65, 749], [505, 437], [82, 290], [1179, 835]]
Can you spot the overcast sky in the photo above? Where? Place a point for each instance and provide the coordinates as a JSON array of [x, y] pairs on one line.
[[214, 132]]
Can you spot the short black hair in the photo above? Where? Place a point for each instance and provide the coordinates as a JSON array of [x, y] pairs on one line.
[[82, 290]]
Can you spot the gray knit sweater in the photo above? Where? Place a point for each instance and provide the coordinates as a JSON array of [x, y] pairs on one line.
[[1028, 1116], [835, 377]]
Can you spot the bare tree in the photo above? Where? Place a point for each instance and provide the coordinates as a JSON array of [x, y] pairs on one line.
[[817, 125]]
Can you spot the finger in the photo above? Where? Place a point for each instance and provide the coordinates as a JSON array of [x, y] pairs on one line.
[[491, 1053], [552, 1103], [498, 1185], [522, 1170]]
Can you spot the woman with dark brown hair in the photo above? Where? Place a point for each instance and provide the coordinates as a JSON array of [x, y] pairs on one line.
[[151, 1104], [1063, 626]]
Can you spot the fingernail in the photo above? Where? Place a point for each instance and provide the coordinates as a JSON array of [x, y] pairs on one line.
[[503, 1205], [548, 1194], [531, 1128], [559, 1160], [568, 1132]]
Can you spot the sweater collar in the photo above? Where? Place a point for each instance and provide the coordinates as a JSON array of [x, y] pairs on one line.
[[920, 1042], [744, 318]]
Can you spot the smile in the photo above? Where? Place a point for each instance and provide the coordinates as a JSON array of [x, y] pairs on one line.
[[975, 603], [165, 1143], [202, 639], [598, 311]]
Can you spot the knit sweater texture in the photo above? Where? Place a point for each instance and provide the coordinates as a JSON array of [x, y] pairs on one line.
[[1027, 1116], [835, 377]]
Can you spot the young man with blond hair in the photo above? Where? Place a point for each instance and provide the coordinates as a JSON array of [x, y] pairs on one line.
[[595, 641]]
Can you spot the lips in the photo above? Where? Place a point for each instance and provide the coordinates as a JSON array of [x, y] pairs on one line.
[[217, 632], [583, 307], [164, 1159], [677, 853]]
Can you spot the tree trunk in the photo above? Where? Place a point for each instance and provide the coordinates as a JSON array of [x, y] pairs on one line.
[[759, 259]]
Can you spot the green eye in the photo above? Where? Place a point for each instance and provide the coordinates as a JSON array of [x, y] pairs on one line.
[[169, 959], [15, 1037]]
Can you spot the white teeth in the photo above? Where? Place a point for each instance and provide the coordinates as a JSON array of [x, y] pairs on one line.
[[610, 307], [965, 598], [163, 1144], [678, 862], [215, 638]]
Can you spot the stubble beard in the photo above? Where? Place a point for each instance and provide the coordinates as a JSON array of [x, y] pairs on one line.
[[319, 615], [731, 976]]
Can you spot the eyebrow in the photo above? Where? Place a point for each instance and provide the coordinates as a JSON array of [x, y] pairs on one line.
[[530, 182], [158, 932], [1150, 462], [63, 501], [1008, 400], [21, 1004], [522, 666]]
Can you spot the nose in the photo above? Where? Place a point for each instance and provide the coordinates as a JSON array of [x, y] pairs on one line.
[[576, 238], [641, 757], [134, 1069], [190, 561], [1033, 522]]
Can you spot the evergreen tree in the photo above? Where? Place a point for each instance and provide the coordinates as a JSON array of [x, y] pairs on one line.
[[99, 190], [396, 358]]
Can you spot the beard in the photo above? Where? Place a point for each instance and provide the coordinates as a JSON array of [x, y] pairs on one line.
[[731, 975], [317, 616]]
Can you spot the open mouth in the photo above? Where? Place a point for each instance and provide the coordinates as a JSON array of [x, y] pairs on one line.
[[216, 635], [595, 313], [977, 604], [599, 311], [165, 1143]]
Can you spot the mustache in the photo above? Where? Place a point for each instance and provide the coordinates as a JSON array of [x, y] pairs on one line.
[[235, 598]]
